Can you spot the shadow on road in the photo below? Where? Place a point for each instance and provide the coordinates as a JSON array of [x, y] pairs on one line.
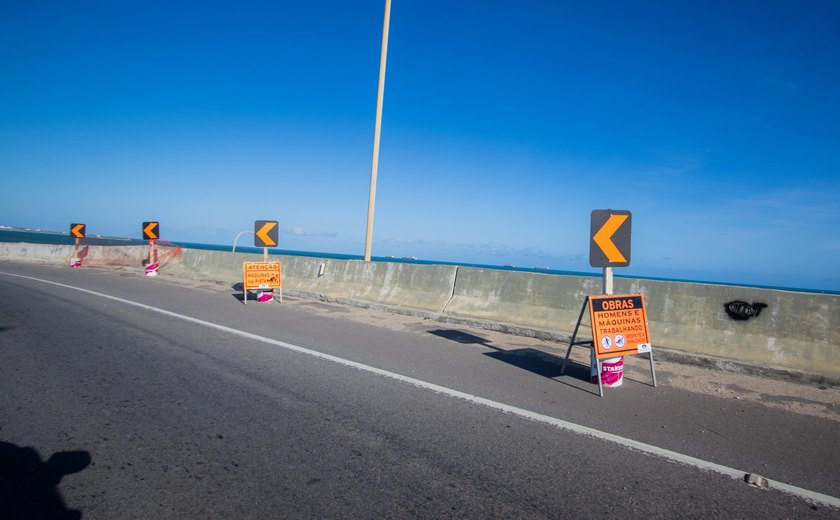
[[532, 360], [238, 294], [29, 487]]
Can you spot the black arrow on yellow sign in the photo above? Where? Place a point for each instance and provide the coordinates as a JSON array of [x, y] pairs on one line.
[[265, 233], [77, 230], [609, 244], [151, 230]]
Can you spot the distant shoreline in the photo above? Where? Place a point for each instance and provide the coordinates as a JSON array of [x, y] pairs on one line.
[[42, 236]]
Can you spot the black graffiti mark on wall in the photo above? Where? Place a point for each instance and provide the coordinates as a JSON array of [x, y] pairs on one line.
[[738, 310]]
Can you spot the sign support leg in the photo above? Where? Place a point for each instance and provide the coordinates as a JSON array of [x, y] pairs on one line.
[[574, 335], [600, 383], [652, 371]]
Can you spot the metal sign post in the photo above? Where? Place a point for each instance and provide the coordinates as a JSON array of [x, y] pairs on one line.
[[265, 275], [608, 290], [78, 231], [151, 232], [609, 246]]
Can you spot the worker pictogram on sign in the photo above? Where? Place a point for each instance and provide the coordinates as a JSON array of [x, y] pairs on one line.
[[609, 244], [78, 230], [265, 233], [151, 230]]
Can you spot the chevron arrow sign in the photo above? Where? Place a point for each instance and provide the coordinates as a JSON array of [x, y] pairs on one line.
[[151, 230], [77, 230], [265, 233], [609, 244]]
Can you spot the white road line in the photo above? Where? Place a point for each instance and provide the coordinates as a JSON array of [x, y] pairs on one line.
[[513, 410]]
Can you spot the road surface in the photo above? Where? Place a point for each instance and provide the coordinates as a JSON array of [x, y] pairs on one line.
[[158, 398]]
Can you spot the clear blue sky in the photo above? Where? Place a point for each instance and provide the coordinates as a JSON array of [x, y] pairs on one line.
[[505, 124]]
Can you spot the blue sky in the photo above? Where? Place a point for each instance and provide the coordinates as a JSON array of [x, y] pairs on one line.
[[505, 124]]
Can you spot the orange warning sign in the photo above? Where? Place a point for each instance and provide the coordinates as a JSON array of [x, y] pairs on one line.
[[261, 275], [619, 325]]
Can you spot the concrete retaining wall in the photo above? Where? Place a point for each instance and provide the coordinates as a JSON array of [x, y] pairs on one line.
[[541, 301], [797, 331], [92, 256], [424, 287]]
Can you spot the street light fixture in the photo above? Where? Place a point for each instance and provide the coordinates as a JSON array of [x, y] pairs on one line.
[[237, 239]]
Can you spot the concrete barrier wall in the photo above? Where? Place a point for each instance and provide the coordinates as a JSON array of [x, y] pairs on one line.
[[47, 253], [541, 301], [799, 331], [796, 330], [424, 287], [93, 256]]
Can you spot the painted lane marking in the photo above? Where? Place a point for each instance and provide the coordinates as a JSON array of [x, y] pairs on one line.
[[649, 449]]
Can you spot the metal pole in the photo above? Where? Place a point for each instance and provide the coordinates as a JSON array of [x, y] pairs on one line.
[[608, 290], [608, 281], [375, 164]]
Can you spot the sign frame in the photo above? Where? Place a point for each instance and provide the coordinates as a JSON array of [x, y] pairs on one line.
[[619, 325], [591, 343], [263, 276]]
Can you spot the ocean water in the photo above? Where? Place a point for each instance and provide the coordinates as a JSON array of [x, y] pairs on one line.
[[37, 236], [52, 237]]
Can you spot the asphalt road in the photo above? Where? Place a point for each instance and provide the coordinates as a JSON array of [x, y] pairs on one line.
[[113, 409]]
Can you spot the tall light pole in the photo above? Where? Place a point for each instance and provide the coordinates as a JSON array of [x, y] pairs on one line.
[[375, 164]]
